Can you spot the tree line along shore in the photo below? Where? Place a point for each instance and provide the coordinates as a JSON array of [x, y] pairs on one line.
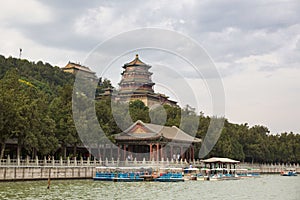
[[36, 119]]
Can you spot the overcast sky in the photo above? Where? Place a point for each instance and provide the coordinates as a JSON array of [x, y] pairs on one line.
[[255, 46]]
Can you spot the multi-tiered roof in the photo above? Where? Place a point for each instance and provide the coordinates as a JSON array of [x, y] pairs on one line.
[[136, 78]]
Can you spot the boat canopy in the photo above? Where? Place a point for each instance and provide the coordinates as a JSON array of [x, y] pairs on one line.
[[220, 160], [191, 169], [170, 168]]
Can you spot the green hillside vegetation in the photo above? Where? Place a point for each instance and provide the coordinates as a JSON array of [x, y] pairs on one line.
[[36, 113]]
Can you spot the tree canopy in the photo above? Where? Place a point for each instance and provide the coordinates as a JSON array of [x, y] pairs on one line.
[[36, 113]]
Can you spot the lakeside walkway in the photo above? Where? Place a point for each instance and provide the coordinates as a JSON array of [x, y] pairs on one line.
[[28, 169]]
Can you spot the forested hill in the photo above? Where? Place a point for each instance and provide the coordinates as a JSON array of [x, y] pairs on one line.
[[42, 75], [36, 108], [36, 113]]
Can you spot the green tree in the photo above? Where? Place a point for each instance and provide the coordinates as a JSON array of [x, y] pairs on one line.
[[138, 111], [255, 146], [7, 107], [17, 126], [173, 115], [61, 113]]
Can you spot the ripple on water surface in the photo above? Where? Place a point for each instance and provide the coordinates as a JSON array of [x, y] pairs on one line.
[[266, 187]]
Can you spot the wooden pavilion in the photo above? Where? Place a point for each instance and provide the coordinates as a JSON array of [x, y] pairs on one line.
[[155, 142]]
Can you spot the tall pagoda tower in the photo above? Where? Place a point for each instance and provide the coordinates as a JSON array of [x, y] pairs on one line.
[[136, 78], [136, 84]]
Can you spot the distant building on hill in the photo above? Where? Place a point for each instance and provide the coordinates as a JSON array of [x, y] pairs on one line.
[[136, 84], [74, 68]]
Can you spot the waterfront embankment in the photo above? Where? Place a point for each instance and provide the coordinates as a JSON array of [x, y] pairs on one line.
[[27, 169]]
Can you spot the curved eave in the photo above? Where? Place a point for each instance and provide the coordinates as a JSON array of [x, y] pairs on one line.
[[136, 83], [139, 138], [128, 137]]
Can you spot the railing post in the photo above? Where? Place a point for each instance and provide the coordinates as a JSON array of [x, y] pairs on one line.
[[18, 161], [144, 161], [68, 161], [45, 160], [112, 161], [81, 161], [8, 160], [135, 161], [61, 161], [27, 161], [75, 161], [88, 161], [36, 160]]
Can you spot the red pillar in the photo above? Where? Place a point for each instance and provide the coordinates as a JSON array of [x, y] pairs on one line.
[[150, 151], [104, 151], [124, 148], [193, 156], [119, 147], [99, 152], [171, 151], [111, 152], [165, 153], [157, 151], [161, 152]]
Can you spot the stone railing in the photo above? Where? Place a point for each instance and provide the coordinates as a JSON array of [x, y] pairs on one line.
[[271, 168], [90, 163], [264, 168]]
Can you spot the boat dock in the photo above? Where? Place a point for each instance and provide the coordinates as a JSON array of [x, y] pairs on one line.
[[18, 170]]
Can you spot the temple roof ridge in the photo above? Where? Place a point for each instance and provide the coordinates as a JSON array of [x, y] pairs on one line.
[[136, 61], [78, 66], [172, 133]]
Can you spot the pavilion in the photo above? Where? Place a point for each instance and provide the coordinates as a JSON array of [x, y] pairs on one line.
[[155, 142], [74, 68]]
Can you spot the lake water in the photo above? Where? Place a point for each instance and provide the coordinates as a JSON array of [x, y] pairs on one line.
[[265, 187]]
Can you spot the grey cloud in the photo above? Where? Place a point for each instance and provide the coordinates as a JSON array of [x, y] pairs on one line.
[[247, 15], [229, 30], [58, 35], [74, 6]]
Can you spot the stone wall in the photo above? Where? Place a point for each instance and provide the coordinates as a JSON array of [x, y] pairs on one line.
[[17, 170], [15, 173]]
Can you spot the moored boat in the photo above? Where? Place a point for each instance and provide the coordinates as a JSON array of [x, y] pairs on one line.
[[291, 172], [169, 175], [120, 174], [191, 173], [248, 173], [220, 169], [135, 174]]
